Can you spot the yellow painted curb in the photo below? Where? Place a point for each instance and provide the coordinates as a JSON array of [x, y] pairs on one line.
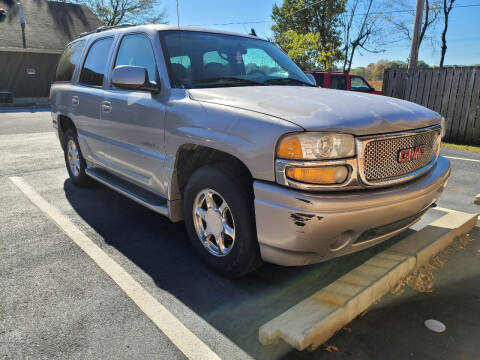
[[313, 321]]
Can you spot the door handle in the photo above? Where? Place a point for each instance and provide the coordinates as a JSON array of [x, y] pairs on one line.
[[75, 100], [106, 106]]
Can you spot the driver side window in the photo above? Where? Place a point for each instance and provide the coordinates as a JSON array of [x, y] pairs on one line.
[[258, 60], [136, 50]]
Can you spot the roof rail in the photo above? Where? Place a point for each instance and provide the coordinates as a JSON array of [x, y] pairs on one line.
[[104, 28]]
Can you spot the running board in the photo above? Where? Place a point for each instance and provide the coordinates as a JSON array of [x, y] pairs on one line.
[[132, 191]]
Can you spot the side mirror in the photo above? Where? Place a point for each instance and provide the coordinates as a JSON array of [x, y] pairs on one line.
[[133, 78], [312, 79]]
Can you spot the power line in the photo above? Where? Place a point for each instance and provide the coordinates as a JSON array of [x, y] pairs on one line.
[[178, 16], [261, 21], [233, 23], [359, 14]]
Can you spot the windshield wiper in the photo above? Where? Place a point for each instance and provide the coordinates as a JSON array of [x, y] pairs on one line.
[[278, 81], [226, 80]]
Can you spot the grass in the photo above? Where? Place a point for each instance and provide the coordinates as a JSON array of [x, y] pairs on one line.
[[462, 147], [377, 84]]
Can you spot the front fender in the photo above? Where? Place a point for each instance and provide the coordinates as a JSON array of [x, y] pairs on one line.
[[244, 134]]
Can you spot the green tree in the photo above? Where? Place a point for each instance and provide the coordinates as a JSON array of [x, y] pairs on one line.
[[311, 27]]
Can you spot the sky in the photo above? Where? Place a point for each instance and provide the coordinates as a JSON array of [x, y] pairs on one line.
[[463, 36]]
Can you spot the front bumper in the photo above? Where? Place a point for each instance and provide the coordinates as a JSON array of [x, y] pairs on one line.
[[299, 228]]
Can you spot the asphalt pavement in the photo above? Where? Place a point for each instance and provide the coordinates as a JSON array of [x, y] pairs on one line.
[[56, 302]]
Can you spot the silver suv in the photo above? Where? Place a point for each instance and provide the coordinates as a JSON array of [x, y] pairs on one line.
[[225, 132]]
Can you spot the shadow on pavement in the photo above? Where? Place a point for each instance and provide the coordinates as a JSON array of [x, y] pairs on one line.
[[237, 308]]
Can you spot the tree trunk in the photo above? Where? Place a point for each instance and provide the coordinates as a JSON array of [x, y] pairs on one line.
[[444, 42], [446, 12], [425, 24]]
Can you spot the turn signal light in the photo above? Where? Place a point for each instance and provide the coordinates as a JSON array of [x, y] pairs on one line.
[[290, 148], [324, 175]]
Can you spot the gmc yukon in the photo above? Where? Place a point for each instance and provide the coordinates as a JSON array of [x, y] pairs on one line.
[[226, 133]]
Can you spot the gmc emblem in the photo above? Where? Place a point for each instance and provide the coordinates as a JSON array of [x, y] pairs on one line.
[[412, 153]]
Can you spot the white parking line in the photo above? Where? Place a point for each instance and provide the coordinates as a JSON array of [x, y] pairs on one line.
[[183, 338], [459, 158]]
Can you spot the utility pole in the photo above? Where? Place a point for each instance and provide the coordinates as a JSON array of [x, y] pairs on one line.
[[412, 61]]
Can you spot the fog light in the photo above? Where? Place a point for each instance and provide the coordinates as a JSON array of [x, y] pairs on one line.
[[342, 240], [325, 175]]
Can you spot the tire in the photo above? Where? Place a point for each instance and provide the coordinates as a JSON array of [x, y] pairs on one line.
[[71, 148], [241, 253]]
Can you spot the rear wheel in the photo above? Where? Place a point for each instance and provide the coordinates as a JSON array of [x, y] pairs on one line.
[[74, 160], [218, 211]]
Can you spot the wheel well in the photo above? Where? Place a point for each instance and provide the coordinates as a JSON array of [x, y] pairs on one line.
[[64, 123], [192, 157]]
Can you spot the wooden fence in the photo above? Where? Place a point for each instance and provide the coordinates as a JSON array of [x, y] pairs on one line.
[[454, 92]]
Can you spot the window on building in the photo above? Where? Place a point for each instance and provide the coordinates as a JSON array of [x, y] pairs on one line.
[[93, 70], [69, 60], [136, 50]]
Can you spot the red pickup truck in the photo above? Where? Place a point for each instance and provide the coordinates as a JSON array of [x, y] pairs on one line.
[[342, 81]]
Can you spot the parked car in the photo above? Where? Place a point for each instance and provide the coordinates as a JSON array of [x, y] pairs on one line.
[[225, 132], [342, 81]]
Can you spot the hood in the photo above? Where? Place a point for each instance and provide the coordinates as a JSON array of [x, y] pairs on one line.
[[318, 109]]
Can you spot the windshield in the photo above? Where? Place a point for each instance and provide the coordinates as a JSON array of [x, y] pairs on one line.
[[199, 60]]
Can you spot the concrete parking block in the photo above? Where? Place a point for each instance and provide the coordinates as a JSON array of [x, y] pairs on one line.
[[313, 321], [437, 236], [476, 200]]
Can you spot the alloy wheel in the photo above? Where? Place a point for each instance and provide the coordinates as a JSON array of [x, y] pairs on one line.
[[214, 222]]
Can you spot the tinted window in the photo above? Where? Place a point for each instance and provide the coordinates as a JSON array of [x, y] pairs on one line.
[[215, 57], [319, 79], [358, 84], [93, 69], [68, 61], [181, 69], [258, 61], [220, 60], [136, 50], [338, 82]]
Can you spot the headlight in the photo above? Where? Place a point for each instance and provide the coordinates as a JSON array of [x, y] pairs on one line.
[[316, 146], [443, 126]]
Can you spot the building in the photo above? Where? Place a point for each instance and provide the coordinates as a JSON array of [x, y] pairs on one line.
[[33, 34]]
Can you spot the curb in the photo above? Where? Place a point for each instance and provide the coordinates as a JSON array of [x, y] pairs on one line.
[[314, 320]]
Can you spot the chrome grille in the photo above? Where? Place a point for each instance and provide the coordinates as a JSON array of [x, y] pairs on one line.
[[379, 161]]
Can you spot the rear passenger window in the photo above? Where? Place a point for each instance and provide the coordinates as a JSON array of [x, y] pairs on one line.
[[338, 82], [68, 61], [136, 50], [93, 69]]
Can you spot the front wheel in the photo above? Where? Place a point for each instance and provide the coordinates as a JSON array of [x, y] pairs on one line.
[[219, 216]]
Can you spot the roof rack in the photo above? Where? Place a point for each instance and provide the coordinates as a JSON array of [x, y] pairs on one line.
[[105, 28]]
